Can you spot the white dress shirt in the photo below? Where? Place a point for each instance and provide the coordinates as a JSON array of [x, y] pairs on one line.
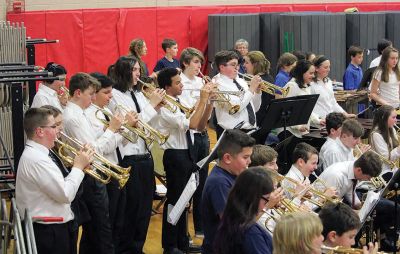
[[77, 125], [41, 187], [46, 96], [295, 90], [98, 128], [324, 147], [326, 102], [340, 176], [227, 121], [295, 174], [375, 62], [270, 223], [190, 97], [147, 113], [176, 124], [389, 91], [336, 152], [379, 145]]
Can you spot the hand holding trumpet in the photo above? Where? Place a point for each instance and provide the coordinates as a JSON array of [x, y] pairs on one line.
[[85, 156]]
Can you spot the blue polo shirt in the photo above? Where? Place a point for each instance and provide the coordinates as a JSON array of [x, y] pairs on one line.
[[352, 77], [256, 240], [165, 63], [214, 197], [282, 78]]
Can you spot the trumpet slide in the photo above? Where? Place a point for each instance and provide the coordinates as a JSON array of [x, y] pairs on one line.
[[101, 169], [344, 250]]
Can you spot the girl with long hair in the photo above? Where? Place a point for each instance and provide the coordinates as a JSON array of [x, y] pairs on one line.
[[385, 85], [383, 137], [238, 231], [322, 85]]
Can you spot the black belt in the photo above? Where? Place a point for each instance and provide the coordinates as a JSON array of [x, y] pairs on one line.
[[139, 157]]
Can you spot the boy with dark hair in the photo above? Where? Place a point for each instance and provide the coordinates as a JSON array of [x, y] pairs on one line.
[[353, 74], [233, 151], [341, 149], [333, 122], [382, 44], [228, 80], [50, 92], [170, 48], [179, 158], [345, 174], [340, 226]]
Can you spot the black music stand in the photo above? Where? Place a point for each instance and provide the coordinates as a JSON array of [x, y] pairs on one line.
[[389, 186], [287, 112]]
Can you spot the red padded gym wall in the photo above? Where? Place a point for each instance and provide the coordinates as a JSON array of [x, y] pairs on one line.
[[92, 39]]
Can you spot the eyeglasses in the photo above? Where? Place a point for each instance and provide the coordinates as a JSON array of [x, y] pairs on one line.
[[51, 126], [265, 199]]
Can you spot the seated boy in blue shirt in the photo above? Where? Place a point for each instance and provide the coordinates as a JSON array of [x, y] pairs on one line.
[[233, 153], [353, 74], [170, 48]]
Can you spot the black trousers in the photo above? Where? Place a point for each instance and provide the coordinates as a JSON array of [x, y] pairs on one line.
[[178, 167], [202, 149], [96, 233], [139, 201], [55, 238], [117, 206]]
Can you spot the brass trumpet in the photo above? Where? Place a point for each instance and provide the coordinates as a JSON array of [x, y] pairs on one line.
[[172, 104], [224, 97], [101, 168], [267, 87], [145, 131], [320, 198], [392, 165], [126, 132], [343, 250]]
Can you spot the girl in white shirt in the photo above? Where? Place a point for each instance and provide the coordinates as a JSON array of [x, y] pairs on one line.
[[383, 138], [322, 85], [303, 74], [386, 79]]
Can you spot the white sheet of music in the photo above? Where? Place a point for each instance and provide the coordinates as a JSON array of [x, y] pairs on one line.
[[175, 212], [201, 163], [372, 198]]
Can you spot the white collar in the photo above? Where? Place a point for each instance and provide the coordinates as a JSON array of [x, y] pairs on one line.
[[47, 89], [75, 107], [37, 146]]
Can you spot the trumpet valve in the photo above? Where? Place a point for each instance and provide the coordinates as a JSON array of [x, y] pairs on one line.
[[234, 109]]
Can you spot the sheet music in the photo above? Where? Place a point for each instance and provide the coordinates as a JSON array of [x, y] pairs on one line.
[[201, 163], [369, 204], [175, 212]]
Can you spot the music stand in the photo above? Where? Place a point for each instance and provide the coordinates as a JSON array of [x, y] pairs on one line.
[[287, 112]]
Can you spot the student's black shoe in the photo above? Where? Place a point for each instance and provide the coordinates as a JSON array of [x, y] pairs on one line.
[[193, 248]]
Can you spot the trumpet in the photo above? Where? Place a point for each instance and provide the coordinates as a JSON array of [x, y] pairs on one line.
[[267, 87], [172, 104], [145, 131], [224, 97], [127, 130], [225, 93], [343, 250], [101, 169], [320, 197], [392, 165]]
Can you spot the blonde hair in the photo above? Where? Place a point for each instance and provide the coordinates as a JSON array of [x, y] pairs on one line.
[[295, 232], [260, 64]]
